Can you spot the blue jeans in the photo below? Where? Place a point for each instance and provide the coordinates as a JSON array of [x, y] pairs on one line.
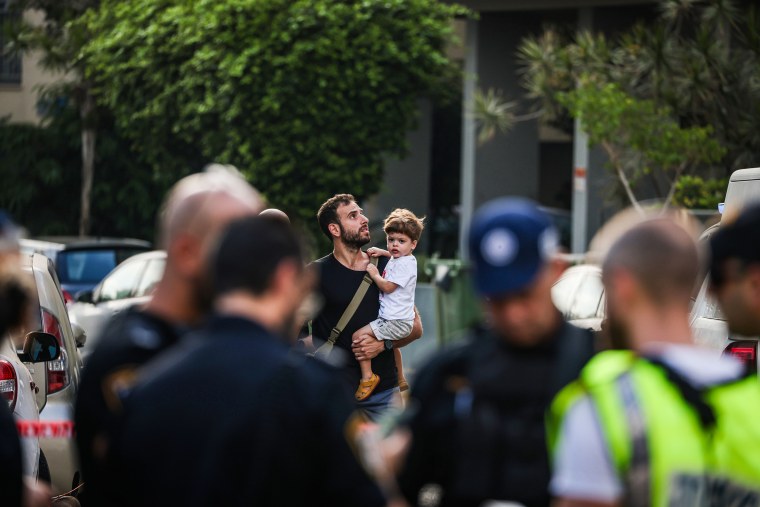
[[378, 404]]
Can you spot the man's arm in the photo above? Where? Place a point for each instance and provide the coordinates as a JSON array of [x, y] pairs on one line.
[[369, 348]]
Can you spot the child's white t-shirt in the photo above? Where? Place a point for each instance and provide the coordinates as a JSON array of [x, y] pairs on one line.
[[399, 304]]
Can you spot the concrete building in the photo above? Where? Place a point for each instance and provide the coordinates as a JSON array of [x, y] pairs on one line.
[[20, 78], [532, 160]]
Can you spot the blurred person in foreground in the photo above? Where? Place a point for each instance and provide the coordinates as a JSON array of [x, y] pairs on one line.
[[735, 270], [659, 421], [233, 417], [476, 413], [340, 274], [193, 215]]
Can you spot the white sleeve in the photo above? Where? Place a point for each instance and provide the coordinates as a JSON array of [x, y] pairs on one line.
[[583, 468]]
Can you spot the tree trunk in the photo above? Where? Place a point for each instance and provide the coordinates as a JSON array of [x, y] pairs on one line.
[[672, 191], [88, 160], [614, 160]]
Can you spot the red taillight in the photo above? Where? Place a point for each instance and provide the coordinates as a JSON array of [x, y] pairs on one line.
[[744, 351], [8, 383], [57, 371], [67, 297]]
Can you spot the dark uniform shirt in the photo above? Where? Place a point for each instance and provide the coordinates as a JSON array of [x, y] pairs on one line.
[[232, 417], [128, 341], [10, 459], [478, 418], [337, 286]]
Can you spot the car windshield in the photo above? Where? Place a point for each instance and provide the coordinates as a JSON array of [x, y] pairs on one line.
[[90, 266]]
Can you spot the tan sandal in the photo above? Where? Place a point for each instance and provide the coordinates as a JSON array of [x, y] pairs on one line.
[[366, 387]]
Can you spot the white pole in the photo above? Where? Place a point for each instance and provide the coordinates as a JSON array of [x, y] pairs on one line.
[[580, 164], [469, 145]]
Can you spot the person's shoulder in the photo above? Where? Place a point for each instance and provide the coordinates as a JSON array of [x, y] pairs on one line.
[[323, 260], [132, 329]]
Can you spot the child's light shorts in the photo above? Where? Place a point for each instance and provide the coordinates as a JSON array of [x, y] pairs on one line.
[[391, 329]]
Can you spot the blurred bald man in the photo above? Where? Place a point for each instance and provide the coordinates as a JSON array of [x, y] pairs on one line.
[[194, 214]]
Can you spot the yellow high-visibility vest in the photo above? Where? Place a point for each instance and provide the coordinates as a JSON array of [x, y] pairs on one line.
[[663, 452]]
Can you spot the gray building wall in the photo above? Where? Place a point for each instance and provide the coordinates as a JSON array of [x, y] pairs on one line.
[[508, 164], [407, 182]]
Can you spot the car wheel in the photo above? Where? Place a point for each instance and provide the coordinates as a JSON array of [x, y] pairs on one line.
[[43, 474]]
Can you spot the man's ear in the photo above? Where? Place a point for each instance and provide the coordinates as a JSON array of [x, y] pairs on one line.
[[623, 287], [185, 252], [334, 229], [753, 284]]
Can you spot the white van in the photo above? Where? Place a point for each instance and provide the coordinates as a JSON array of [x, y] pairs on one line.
[[707, 321]]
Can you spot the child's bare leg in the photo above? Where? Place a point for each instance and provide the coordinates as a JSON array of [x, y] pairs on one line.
[[366, 365], [369, 380], [402, 383]]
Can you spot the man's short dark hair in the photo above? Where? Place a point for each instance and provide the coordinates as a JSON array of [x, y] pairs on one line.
[[737, 238], [661, 256], [250, 251], [328, 212]]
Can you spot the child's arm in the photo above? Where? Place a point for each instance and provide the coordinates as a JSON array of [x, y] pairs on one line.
[[378, 252], [382, 284]]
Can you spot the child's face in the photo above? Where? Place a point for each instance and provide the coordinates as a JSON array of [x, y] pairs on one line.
[[400, 245]]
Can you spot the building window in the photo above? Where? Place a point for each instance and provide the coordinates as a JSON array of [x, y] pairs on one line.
[[10, 65]]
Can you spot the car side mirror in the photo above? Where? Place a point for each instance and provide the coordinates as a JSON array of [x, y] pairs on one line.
[[84, 296], [80, 336], [40, 347]]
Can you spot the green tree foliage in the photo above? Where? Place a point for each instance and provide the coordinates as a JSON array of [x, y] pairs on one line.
[[58, 39], [696, 192], [41, 180], [626, 127], [304, 96], [699, 61]]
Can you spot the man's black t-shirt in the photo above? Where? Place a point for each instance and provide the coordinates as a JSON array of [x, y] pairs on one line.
[[337, 286], [128, 341]]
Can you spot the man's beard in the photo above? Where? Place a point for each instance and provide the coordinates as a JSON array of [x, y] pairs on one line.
[[353, 239]]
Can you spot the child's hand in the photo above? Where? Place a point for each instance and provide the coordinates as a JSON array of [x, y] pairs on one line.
[[372, 270], [377, 252]]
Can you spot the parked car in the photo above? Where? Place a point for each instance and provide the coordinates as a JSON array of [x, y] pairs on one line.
[[18, 388], [130, 283], [579, 295], [57, 380], [81, 263], [707, 320]]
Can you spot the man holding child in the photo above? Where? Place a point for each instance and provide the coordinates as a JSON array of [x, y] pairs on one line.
[[341, 274]]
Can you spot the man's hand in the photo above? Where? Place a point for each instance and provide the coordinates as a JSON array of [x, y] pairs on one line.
[[372, 270], [367, 347]]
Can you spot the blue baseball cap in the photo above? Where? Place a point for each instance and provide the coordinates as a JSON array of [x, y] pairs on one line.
[[510, 241]]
